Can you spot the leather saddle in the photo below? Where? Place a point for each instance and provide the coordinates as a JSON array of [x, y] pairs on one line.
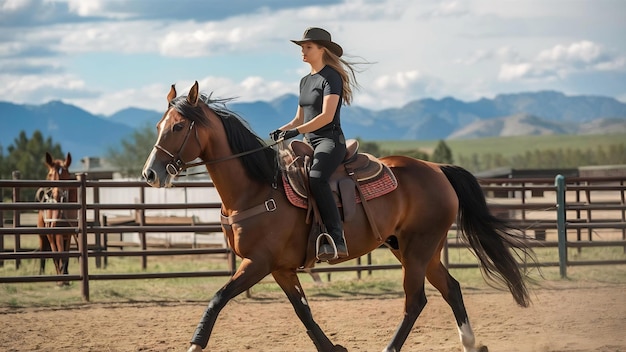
[[357, 171]]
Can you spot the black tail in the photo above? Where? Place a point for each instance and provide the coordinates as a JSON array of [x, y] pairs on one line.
[[493, 240]]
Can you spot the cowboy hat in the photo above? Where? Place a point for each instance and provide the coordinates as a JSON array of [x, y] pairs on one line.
[[321, 37]]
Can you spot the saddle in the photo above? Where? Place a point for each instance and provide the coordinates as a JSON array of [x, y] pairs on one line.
[[359, 178]]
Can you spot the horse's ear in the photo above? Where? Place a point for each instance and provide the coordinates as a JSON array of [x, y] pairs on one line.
[[68, 160], [49, 160], [192, 97], [172, 94]]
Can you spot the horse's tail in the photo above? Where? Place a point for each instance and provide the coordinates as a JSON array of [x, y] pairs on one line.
[[495, 243]]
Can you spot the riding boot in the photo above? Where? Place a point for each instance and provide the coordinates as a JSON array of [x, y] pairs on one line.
[[332, 244]]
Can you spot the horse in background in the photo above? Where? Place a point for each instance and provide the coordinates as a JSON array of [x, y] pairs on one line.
[[49, 218]]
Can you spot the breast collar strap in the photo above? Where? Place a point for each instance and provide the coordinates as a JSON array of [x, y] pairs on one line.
[[267, 207]]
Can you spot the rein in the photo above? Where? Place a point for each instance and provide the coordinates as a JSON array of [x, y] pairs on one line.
[[177, 165]]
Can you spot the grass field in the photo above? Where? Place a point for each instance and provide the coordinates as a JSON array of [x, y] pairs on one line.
[[508, 146]]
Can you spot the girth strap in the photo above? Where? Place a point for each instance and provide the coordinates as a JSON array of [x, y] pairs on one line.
[[366, 208]]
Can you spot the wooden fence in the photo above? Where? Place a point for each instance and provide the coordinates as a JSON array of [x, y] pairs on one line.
[[553, 213]]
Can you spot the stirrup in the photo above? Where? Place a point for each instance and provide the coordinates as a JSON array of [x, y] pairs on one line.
[[327, 251]]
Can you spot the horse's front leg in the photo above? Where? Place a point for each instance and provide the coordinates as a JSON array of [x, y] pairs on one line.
[[44, 246], [66, 240], [249, 273], [289, 282], [55, 248]]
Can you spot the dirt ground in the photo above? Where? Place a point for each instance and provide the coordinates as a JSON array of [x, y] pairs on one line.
[[572, 317]]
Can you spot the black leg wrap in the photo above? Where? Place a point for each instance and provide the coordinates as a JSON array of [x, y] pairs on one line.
[[205, 326]]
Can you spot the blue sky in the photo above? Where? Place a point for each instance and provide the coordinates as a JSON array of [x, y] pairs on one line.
[[106, 55]]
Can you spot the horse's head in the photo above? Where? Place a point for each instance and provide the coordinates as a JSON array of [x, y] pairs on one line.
[[58, 170], [173, 148]]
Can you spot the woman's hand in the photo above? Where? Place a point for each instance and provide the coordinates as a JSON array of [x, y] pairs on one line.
[[289, 133], [275, 134]]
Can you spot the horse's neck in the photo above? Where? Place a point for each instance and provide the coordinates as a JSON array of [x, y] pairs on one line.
[[237, 191]]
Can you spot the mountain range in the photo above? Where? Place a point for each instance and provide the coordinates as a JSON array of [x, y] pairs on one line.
[[528, 113]]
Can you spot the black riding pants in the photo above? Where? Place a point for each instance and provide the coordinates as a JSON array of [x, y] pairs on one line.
[[330, 150]]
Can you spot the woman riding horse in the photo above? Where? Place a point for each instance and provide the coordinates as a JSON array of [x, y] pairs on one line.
[[271, 235]]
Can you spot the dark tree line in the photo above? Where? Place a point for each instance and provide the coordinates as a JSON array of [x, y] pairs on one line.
[[441, 154], [27, 155], [550, 158]]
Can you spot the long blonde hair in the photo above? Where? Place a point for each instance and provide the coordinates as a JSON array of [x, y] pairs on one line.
[[346, 70]]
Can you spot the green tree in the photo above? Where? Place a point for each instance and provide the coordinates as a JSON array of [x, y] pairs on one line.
[[369, 147], [28, 155], [132, 152], [442, 153], [413, 153]]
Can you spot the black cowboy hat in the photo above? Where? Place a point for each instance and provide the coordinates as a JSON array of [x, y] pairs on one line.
[[322, 37]]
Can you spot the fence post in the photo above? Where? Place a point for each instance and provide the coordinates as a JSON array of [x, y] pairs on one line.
[[82, 230], [142, 222], [17, 245], [559, 182], [96, 222], [2, 225]]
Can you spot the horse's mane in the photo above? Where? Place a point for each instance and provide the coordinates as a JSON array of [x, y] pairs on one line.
[[261, 165]]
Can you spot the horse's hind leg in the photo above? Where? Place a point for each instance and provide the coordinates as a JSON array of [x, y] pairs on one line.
[[450, 290], [415, 300], [289, 282]]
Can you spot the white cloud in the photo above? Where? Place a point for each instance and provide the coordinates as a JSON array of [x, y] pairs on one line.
[[116, 37], [561, 61], [399, 80], [152, 97], [86, 7], [505, 53], [396, 89], [37, 89], [251, 88], [15, 5], [585, 51], [450, 9], [196, 40]]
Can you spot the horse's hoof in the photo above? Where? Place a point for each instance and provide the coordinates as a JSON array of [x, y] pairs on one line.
[[483, 349], [339, 348], [194, 348]]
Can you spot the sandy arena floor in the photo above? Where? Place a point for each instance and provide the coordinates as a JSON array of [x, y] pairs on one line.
[[572, 318]]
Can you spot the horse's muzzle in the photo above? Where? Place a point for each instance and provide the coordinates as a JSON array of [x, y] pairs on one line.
[[151, 177]]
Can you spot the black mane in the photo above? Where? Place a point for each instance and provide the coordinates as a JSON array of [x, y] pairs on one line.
[[261, 165]]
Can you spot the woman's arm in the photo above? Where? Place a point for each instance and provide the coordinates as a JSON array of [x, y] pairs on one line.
[[329, 106], [297, 120]]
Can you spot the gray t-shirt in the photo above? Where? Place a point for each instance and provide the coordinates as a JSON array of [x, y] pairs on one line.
[[313, 89]]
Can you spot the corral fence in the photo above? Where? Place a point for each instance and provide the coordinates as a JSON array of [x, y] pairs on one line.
[[555, 213]]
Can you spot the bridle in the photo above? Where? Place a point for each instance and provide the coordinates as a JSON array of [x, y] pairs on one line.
[[46, 195], [176, 164]]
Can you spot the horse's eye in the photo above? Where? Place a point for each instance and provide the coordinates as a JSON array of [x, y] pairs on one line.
[[178, 127]]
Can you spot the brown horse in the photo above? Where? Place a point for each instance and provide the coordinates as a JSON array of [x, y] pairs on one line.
[[57, 170], [271, 235]]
